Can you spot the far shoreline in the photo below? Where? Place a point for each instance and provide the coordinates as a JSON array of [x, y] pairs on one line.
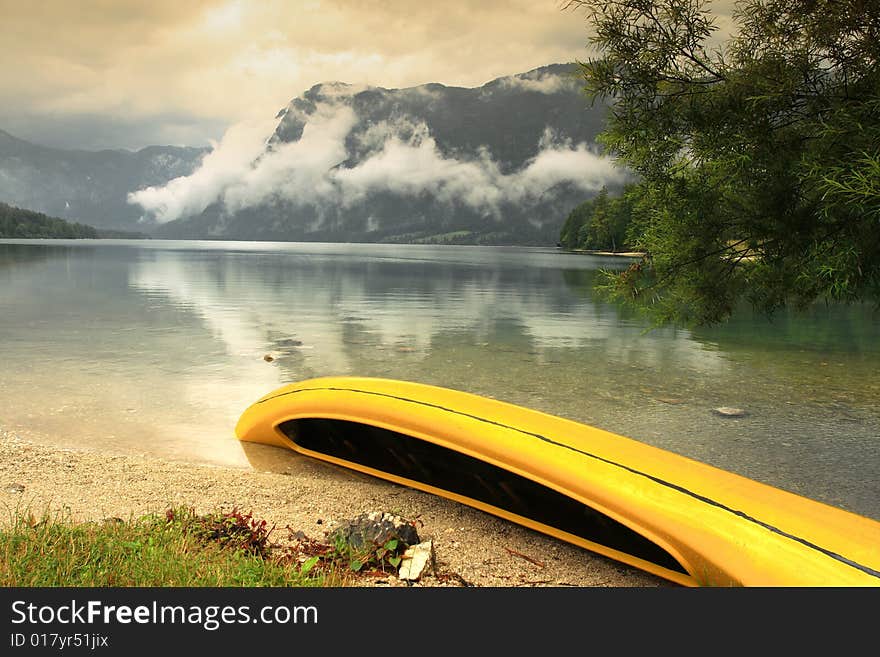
[[620, 254]]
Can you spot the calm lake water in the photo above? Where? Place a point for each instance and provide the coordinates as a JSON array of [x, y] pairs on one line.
[[157, 347]]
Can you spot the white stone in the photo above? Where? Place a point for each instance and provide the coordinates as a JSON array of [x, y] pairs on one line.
[[728, 411], [414, 560]]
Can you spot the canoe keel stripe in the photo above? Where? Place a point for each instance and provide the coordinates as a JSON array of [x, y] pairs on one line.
[[829, 553]]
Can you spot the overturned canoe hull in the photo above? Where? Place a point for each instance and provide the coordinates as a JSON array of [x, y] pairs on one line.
[[677, 518]]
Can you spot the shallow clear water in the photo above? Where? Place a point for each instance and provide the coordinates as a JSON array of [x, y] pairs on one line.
[[157, 347]]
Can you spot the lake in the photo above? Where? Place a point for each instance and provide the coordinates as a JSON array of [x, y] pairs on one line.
[[156, 347]]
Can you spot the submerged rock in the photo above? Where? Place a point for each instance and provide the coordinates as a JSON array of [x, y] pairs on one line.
[[729, 411]]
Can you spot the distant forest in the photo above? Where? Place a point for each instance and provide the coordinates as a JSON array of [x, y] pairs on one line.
[[18, 223], [602, 223]]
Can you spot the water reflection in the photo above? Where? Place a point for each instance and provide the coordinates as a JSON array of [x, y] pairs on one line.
[[325, 314]]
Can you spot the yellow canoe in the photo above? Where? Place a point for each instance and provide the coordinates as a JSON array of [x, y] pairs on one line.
[[680, 519]]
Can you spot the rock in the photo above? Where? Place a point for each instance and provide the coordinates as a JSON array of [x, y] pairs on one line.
[[15, 488], [415, 559], [375, 528], [727, 411], [268, 358]]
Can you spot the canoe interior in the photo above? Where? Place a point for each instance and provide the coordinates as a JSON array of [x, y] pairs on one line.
[[446, 469]]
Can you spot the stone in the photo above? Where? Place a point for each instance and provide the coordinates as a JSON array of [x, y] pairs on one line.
[[728, 411], [375, 528], [415, 559], [15, 488]]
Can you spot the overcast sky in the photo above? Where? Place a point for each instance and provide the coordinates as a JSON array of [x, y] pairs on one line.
[[98, 74]]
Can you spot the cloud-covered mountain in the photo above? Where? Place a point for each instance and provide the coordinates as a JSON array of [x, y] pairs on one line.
[[501, 163], [87, 186]]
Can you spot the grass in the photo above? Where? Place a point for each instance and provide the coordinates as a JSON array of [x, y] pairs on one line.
[[177, 548]]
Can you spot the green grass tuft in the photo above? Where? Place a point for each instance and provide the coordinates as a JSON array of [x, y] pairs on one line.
[[177, 548]]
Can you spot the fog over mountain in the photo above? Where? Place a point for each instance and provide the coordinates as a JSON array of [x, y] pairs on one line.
[[90, 187], [503, 163]]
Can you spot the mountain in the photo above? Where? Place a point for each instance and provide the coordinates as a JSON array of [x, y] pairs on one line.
[[87, 186], [503, 163]]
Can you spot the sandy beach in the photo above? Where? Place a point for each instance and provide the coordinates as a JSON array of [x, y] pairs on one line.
[[301, 494]]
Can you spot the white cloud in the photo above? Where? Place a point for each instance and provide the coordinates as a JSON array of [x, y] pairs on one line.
[[415, 165], [225, 165], [559, 162], [299, 171], [546, 83], [402, 157]]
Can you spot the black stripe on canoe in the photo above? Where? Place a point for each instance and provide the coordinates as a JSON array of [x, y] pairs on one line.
[[658, 480], [428, 463]]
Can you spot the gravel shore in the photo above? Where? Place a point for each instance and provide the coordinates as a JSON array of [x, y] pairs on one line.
[[306, 495]]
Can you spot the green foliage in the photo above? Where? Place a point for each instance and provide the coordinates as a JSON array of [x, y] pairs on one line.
[[370, 556], [229, 529], [757, 159], [178, 548], [345, 555], [602, 223], [577, 218], [18, 223]]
